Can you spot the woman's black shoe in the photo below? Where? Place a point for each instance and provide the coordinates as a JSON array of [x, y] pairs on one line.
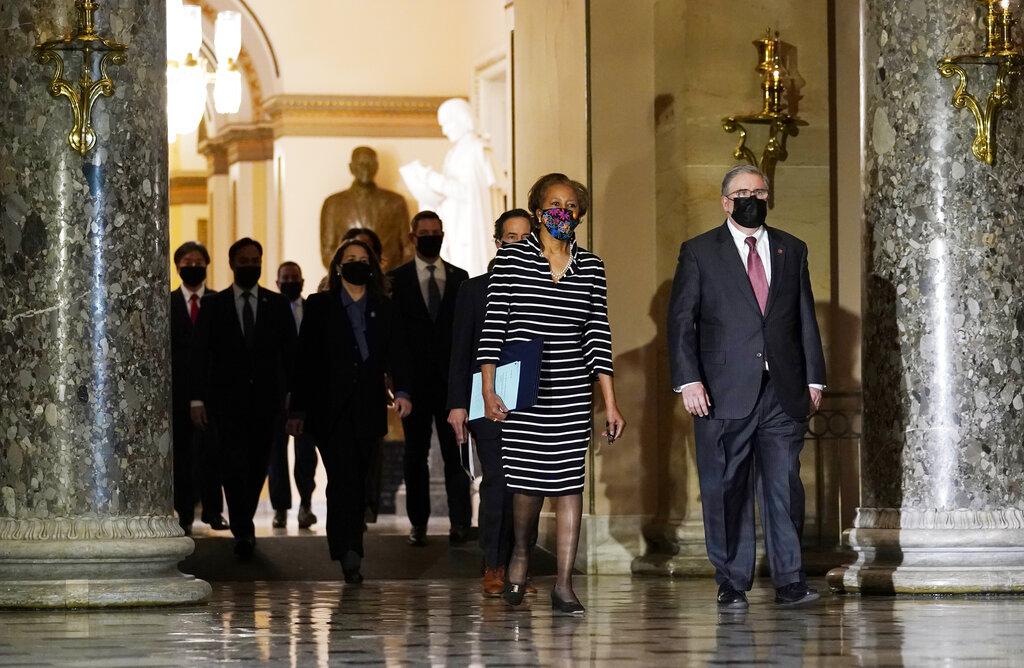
[[514, 593], [567, 607]]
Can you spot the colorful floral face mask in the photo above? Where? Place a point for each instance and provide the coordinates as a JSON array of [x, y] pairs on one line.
[[560, 222]]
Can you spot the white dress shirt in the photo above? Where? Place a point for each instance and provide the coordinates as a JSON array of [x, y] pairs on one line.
[[423, 274], [188, 295], [240, 302], [764, 251], [762, 246]]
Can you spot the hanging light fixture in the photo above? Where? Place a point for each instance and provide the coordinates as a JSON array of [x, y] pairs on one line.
[[227, 86], [187, 73]]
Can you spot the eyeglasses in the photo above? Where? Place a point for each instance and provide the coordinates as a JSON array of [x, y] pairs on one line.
[[740, 194]]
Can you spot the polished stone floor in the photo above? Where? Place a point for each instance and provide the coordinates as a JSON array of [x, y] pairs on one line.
[[630, 621]]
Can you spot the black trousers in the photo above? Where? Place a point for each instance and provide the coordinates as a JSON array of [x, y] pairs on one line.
[[305, 469], [495, 519], [731, 454], [196, 469], [245, 448], [429, 410], [348, 460]]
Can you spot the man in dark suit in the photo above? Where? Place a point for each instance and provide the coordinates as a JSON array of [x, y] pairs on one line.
[[495, 500], [196, 468], [290, 283], [746, 356], [424, 293], [240, 364]]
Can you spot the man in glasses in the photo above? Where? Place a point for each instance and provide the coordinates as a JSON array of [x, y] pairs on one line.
[[746, 356]]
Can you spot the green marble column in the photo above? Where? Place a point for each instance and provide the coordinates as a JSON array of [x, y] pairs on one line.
[[943, 465], [85, 464]]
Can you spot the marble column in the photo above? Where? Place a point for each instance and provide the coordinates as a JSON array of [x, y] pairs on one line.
[[85, 464], [943, 501]]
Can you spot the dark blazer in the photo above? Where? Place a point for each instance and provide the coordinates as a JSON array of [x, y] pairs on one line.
[[331, 379], [429, 342], [470, 313], [226, 376], [181, 346], [717, 335]]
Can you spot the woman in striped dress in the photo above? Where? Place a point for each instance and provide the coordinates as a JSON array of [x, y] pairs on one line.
[[547, 287]]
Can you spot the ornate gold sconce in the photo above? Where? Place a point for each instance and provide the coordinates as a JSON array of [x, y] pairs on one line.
[[773, 114], [82, 138], [1000, 53]]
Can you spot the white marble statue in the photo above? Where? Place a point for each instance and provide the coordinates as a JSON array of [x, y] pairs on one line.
[[461, 192]]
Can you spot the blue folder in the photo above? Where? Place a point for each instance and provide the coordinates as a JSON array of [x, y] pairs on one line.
[[526, 358]]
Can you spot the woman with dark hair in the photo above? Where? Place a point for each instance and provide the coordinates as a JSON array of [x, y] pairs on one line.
[[348, 342], [370, 238], [547, 287]]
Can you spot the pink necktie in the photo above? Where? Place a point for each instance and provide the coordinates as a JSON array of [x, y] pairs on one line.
[[755, 272]]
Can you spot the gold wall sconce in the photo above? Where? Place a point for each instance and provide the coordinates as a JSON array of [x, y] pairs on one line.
[[773, 114], [82, 137], [1000, 53]]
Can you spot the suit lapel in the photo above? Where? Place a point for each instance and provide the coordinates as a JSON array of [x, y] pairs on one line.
[[778, 260], [450, 289], [413, 279], [372, 326], [263, 314], [340, 324], [734, 268]]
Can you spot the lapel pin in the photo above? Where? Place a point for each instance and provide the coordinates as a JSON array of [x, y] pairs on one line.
[[779, 251]]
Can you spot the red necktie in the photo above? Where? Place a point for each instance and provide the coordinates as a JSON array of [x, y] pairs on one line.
[[756, 274], [193, 309]]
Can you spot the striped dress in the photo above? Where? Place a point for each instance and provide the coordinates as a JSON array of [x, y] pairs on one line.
[[544, 447]]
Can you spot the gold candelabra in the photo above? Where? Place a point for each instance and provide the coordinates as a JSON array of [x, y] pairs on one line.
[[773, 113], [999, 52], [82, 97]]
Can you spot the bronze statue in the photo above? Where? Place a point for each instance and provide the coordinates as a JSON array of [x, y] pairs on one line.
[[366, 205]]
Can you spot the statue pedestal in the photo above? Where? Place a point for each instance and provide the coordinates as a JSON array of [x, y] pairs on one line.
[[904, 551], [73, 563]]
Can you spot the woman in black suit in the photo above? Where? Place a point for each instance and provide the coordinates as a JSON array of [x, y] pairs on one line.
[[349, 341]]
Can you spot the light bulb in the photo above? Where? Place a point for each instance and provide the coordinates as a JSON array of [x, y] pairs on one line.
[[227, 38], [227, 90], [190, 99], [191, 29], [175, 45]]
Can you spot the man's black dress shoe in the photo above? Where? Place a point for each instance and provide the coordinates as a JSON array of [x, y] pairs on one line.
[[731, 599], [797, 593], [218, 523], [280, 519], [244, 547], [418, 536], [458, 535]]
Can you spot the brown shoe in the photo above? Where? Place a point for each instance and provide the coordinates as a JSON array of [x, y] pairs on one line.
[[530, 589], [494, 582]]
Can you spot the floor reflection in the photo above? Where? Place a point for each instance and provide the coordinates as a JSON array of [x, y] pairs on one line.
[[649, 621]]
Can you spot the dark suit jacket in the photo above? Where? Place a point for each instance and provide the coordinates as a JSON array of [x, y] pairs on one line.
[[226, 376], [470, 312], [429, 342], [717, 335], [331, 379], [181, 347]]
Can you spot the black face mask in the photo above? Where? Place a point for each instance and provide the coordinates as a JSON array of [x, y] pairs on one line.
[[291, 289], [247, 277], [749, 212], [357, 273], [192, 276], [429, 246]]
